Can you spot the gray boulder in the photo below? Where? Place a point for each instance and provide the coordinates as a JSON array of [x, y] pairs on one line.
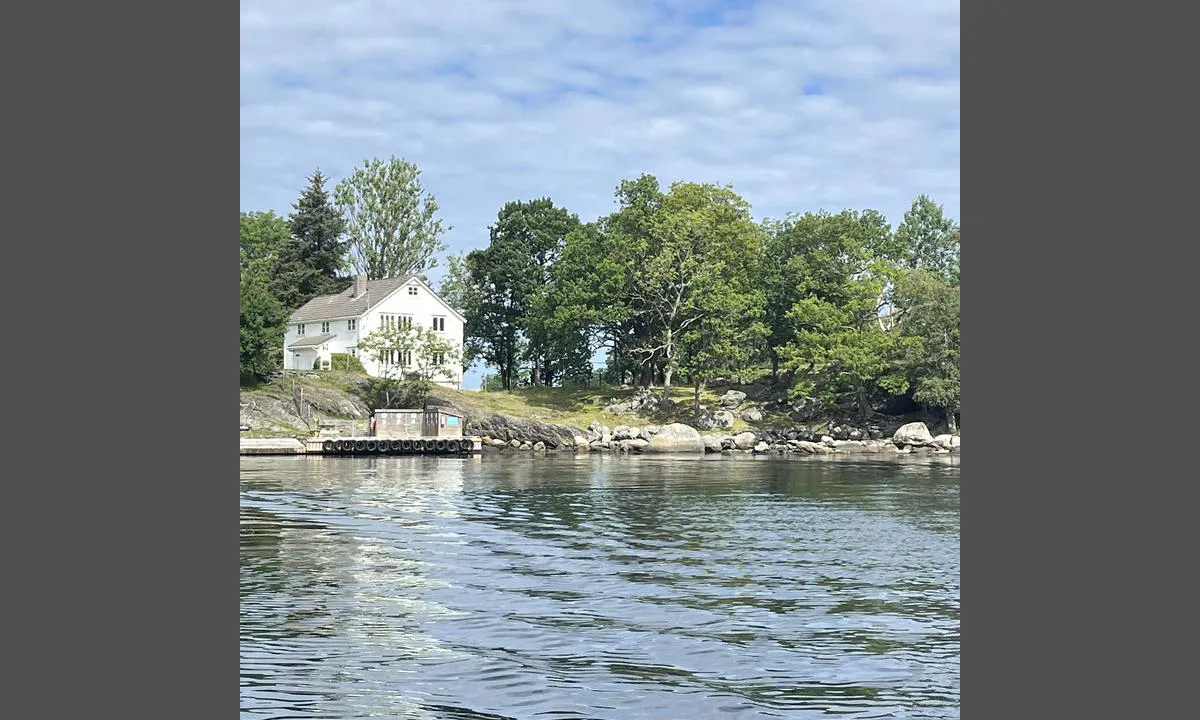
[[676, 438], [761, 447], [914, 434], [753, 415], [722, 419], [744, 440], [732, 398]]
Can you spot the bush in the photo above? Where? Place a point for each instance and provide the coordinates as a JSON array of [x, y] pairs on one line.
[[342, 361], [345, 361], [390, 394]]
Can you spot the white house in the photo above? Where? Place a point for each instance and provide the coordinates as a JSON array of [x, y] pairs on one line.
[[335, 323]]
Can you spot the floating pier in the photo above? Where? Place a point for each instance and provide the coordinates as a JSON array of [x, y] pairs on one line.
[[360, 446]]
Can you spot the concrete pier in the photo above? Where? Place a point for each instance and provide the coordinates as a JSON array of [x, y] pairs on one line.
[[359, 446], [272, 446]]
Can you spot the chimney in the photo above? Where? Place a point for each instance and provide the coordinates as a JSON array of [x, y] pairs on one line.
[[360, 285]]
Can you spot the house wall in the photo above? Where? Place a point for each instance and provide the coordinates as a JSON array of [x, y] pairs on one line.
[[337, 326], [423, 307]]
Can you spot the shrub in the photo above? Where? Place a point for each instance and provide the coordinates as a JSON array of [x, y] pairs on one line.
[[345, 361]]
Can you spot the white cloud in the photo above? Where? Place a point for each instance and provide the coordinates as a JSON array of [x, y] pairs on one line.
[[500, 101]]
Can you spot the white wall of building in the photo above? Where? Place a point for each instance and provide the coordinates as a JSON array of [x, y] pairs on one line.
[[423, 307]]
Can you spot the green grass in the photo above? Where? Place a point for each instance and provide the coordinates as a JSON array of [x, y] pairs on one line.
[[572, 406]]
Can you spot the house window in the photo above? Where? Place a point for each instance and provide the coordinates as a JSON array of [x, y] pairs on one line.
[[439, 359], [403, 322], [299, 329], [439, 324], [324, 327], [412, 289], [352, 350], [351, 324], [403, 358]]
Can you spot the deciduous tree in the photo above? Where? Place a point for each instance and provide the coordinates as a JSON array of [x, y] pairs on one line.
[[391, 222]]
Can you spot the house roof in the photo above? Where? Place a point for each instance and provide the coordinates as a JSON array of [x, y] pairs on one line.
[[314, 341], [344, 304]]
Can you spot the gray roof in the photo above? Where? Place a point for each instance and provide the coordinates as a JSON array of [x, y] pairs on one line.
[[314, 341], [343, 304]]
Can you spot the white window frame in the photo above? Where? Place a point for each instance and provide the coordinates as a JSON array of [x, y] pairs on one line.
[[439, 359], [396, 320], [300, 328], [412, 290], [439, 323], [352, 324], [325, 326]]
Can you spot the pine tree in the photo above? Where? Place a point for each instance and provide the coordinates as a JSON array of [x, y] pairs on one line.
[[311, 262]]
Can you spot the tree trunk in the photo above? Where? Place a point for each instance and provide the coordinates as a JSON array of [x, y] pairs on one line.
[[699, 387], [774, 366], [951, 421], [666, 393], [535, 375], [864, 407]]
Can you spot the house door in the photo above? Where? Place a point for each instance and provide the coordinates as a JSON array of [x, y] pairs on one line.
[[295, 361]]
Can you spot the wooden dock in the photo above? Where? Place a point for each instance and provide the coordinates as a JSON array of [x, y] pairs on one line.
[[361, 446]]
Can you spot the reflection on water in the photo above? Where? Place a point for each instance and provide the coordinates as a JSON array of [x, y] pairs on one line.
[[598, 587]]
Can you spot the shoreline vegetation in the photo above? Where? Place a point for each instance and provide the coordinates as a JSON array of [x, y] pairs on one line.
[[818, 332]]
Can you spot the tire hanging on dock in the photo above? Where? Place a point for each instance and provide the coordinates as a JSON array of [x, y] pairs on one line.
[[393, 446], [360, 445], [327, 446], [439, 446], [406, 446]]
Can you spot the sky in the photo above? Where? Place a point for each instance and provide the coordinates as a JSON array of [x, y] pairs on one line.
[[798, 105]]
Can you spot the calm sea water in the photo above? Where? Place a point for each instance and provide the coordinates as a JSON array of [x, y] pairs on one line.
[[599, 586]]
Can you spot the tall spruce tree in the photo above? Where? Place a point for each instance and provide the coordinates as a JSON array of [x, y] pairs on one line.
[[312, 260]]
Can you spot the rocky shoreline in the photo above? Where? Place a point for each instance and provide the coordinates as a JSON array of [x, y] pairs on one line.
[[504, 434], [500, 432]]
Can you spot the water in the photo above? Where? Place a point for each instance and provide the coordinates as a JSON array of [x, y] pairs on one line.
[[599, 587]]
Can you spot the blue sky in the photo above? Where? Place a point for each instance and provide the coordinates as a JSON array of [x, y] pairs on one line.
[[799, 105]]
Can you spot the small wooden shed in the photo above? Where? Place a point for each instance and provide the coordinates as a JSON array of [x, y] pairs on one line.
[[413, 423]]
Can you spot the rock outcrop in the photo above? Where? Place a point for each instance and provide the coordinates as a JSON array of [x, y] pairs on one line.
[[732, 398], [915, 434], [676, 438], [503, 427]]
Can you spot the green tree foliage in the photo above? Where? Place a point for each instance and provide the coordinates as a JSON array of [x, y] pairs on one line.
[[391, 221], [928, 240], [263, 235], [929, 331], [263, 321], [665, 280], [695, 277], [461, 292], [837, 346], [505, 292], [263, 318], [311, 261]]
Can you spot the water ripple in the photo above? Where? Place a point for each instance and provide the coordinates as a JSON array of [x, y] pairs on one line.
[[598, 587]]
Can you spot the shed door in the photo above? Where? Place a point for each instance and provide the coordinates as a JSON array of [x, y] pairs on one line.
[[429, 423]]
